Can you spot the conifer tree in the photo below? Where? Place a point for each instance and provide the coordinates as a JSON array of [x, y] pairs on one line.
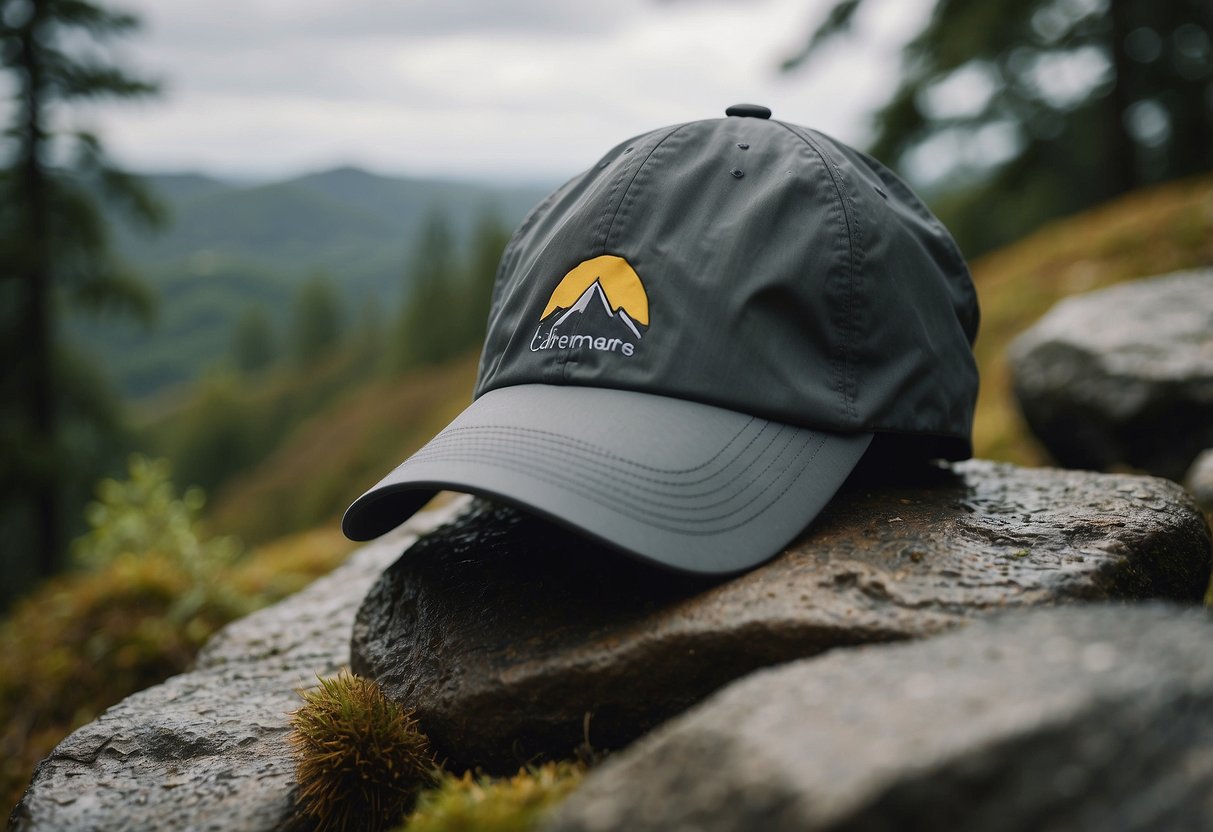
[[253, 346], [431, 324], [488, 242], [54, 245], [1086, 99], [315, 321]]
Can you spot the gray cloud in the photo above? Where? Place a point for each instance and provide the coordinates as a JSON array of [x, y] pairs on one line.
[[520, 89]]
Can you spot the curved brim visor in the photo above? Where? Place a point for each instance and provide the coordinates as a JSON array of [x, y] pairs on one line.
[[688, 486]]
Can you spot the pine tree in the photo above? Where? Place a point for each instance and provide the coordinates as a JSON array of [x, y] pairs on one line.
[[1144, 113], [488, 242], [253, 348], [54, 244], [431, 326], [316, 319]]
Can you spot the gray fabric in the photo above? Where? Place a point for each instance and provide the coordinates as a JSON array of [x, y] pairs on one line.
[[796, 292], [693, 487]]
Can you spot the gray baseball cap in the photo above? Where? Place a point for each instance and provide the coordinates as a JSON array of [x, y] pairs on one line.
[[693, 343]]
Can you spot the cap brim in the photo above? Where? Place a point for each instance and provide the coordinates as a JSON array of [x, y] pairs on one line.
[[689, 486]]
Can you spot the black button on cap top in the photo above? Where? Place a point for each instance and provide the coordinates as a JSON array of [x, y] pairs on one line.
[[748, 111]]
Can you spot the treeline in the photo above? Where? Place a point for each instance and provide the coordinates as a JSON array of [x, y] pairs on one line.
[[446, 285], [277, 375]]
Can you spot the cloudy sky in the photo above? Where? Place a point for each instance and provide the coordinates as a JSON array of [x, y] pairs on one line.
[[513, 90]]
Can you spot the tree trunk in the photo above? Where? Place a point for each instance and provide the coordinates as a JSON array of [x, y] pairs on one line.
[[37, 345], [1122, 149]]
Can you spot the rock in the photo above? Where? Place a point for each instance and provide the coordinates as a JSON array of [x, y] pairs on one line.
[[1122, 376], [207, 750], [1093, 717], [1199, 480], [508, 634]]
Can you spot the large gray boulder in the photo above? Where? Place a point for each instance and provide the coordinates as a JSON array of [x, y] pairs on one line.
[[1122, 376], [207, 750], [510, 636], [1092, 718]]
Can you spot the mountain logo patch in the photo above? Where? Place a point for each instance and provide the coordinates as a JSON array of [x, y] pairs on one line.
[[599, 305]]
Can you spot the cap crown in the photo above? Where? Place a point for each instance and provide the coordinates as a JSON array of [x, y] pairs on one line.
[[749, 264]]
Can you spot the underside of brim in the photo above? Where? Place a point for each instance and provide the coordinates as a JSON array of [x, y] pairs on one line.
[[689, 486]]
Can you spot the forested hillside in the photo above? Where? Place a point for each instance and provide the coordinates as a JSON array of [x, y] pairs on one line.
[[230, 250]]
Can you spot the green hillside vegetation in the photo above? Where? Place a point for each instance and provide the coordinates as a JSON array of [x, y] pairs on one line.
[[332, 457], [229, 247], [278, 392]]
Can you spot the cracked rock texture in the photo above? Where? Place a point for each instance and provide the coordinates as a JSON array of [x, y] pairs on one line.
[[1122, 376], [1091, 717], [207, 750], [508, 634]]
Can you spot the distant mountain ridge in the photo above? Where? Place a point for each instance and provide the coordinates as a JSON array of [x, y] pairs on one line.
[[318, 220], [230, 244]]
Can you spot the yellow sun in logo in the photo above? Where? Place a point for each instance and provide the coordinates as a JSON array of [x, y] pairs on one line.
[[619, 283]]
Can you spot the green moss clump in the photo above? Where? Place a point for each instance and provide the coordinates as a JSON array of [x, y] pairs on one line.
[[360, 758], [483, 804]]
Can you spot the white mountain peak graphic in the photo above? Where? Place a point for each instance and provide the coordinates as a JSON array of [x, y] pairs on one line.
[[595, 290]]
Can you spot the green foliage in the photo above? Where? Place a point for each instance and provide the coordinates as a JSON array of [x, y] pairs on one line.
[[360, 758], [91, 433], [144, 514], [315, 322], [430, 323], [219, 434], [227, 425], [153, 590], [55, 242], [253, 348], [446, 310], [231, 246], [360, 428], [488, 243], [1141, 115], [484, 804], [151, 595]]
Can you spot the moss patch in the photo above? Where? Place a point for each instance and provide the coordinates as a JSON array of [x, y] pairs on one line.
[[484, 804]]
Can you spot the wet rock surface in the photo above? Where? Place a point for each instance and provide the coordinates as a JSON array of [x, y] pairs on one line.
[[1091, 717], [1123, 376], [508, 634], [207, 750]]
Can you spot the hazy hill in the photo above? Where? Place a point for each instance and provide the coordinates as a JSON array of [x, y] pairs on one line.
[[231, 244]]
